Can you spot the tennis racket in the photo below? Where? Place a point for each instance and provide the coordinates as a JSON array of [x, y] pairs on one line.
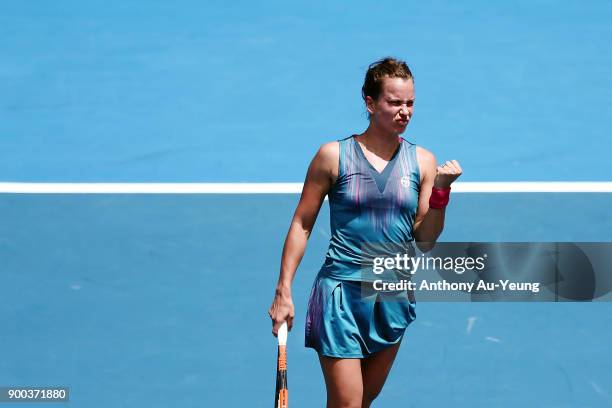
[[281, 394]]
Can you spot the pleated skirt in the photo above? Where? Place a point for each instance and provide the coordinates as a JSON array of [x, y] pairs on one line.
[[347, 321]]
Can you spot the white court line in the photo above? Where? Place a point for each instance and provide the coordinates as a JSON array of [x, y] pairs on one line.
[[288, 188]]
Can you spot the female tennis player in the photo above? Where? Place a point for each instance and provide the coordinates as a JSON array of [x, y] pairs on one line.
[[383, 189]]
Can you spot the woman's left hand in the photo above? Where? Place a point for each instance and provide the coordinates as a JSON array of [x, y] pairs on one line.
[[446, 173]]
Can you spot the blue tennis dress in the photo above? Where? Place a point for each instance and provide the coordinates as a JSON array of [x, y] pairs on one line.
[[366, 206]]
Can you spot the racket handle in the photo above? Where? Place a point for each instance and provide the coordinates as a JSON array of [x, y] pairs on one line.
[[281, 399], [282, 334]]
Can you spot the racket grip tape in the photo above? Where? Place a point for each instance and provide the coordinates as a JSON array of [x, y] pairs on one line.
[[281, 399]]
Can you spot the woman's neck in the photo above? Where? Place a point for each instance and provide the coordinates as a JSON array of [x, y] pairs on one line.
[[380, 143]]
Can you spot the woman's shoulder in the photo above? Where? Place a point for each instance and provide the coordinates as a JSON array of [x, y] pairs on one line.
[[329, 150], [327, 155], [426, 161], [425, 155], [326, 159]]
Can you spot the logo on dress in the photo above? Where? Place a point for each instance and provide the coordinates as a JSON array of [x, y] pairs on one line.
[[405, 180]]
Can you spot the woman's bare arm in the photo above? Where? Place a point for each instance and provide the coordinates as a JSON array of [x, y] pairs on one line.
[[429, 222], [322, 174]]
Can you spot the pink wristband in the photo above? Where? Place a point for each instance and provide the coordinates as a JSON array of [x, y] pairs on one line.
[[439, 197]]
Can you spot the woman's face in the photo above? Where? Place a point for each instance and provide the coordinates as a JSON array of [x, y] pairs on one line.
[[393, 109]]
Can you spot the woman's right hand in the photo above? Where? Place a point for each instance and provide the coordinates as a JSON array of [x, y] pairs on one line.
[[281, 311]]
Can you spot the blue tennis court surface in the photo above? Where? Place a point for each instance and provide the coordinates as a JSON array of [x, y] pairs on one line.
[[131, 300], [161, 300]]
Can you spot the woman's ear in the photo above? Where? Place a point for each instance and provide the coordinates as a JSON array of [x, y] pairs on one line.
[[369, 104]]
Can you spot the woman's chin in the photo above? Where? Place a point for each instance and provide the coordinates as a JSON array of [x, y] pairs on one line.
[[399, 129]]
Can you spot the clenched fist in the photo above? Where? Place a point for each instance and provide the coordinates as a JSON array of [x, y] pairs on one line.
[[447, 172]]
